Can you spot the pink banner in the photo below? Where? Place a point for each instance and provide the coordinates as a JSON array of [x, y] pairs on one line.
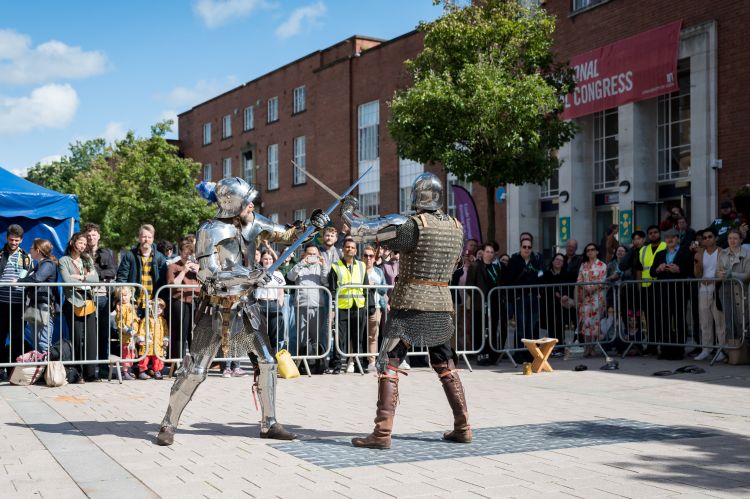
[[466, 213], [641, 67]]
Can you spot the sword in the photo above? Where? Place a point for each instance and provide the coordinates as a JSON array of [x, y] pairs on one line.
[[321, 184], [308, 232]]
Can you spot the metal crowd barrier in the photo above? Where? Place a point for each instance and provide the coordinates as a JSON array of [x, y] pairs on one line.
[[359, 343], [40, 317], [300, 328], [516, 313], [667, 313]]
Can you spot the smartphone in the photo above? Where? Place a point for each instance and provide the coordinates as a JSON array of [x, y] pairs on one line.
[[311, 259]]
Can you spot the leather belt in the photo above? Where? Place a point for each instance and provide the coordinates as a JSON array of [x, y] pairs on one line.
[[422, 282]]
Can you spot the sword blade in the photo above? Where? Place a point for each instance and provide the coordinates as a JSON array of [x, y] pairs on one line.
[[316, 180], [308, 232]]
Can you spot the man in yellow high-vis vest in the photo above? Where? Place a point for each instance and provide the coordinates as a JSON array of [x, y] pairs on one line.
[[351, 303], [645, 273]]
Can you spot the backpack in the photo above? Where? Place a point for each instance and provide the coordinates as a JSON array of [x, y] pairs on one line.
[[56, 374], [61, 351]]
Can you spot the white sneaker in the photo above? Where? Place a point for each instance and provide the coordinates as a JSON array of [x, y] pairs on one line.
[[227, 373], [721, 358], [350, 367], [705, 354], [404, 365]]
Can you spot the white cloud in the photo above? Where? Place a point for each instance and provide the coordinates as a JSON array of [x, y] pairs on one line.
[[49, 106], [203, 90], [21, 63], [50, 159], [301, 16], [170, 114], [214, 13], [113, 131]]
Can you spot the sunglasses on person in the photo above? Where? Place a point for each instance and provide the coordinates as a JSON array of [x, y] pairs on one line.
[[525, 247], [590, 249], [369, 255]]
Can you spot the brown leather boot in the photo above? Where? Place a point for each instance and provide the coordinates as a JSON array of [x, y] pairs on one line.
[[454, 391], [380, 438]]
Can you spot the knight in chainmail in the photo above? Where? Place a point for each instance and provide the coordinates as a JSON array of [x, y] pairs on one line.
[[422, 315], [228, 316]]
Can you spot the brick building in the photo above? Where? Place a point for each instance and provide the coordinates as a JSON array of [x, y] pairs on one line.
[[328, 112], [630, 162]]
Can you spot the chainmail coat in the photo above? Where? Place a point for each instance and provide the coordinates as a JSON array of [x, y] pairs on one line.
[[411, 316]]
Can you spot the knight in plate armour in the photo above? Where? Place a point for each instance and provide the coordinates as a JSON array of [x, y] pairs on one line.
[[430, 243], [228, 316]]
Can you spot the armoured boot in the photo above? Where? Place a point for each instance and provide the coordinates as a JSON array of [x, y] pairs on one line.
[[265, 387], [454, 391], [380, 438]]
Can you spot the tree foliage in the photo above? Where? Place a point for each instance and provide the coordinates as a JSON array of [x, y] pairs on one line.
[[487, 96], [135, 181]]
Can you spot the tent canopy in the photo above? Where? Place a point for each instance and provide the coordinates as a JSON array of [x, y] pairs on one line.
[[41, 212]]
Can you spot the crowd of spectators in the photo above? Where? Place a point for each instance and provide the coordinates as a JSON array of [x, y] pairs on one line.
[[574, 297]]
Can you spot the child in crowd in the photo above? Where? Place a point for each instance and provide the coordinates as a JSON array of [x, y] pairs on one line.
[[126, 322], [157, 329]]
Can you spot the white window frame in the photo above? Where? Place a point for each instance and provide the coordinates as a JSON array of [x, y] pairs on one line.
[[272, 110], [667, 152], [368, 153], [408, 170], [248, 169], [249, 118], [299, 177], [207, 172], [450, 200], [298, 102], [551, 187], [606, 150], [273, 167], [226, 168], [300, 214], [206, 133], [226, 126], [585, 4]]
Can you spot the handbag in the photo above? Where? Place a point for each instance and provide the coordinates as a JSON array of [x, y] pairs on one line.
[[27, 375], [287, 367], [88, 308], [56, 374]]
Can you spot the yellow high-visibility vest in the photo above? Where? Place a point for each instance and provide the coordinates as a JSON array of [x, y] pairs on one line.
[[646, 256], [350, 296]]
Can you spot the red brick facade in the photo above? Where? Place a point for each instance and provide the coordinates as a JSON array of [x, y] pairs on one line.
[[337, 80], [617, 19]]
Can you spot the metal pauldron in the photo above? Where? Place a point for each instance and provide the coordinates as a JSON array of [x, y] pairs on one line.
[[364, 230]]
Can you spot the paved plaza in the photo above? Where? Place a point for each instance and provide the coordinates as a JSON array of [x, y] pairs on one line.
[[587, 434]]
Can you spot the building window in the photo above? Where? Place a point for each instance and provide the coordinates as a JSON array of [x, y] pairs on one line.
[[274, 217], [206, 133], [249, 122], [450, 198], [606, 150], [368, 123], [673, 129], [273, 110], [299, 158], [585, 4], [300, 215], [299, 100], [207, 174], [248, 169], [227, 167], [551, 187], [408, 170], [273, 166], [226, 126]]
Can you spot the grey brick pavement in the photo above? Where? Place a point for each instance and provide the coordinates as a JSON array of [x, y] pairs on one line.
[[628, 434], [337, 452]]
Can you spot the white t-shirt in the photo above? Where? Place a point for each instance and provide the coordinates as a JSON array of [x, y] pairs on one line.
[[268, 293], [709, 267]]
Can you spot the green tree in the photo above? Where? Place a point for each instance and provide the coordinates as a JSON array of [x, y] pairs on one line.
[[59, 175], [487, 96], [135, 181]]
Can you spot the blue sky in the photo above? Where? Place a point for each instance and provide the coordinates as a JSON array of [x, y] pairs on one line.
[[84, 69]]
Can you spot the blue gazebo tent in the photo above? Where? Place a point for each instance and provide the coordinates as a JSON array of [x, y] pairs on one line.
[[41, 212]]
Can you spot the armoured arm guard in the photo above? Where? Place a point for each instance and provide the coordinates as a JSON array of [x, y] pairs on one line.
[[264, 228], [382, 229]]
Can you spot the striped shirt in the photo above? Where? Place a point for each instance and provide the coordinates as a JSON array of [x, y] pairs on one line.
[[13, 271]]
